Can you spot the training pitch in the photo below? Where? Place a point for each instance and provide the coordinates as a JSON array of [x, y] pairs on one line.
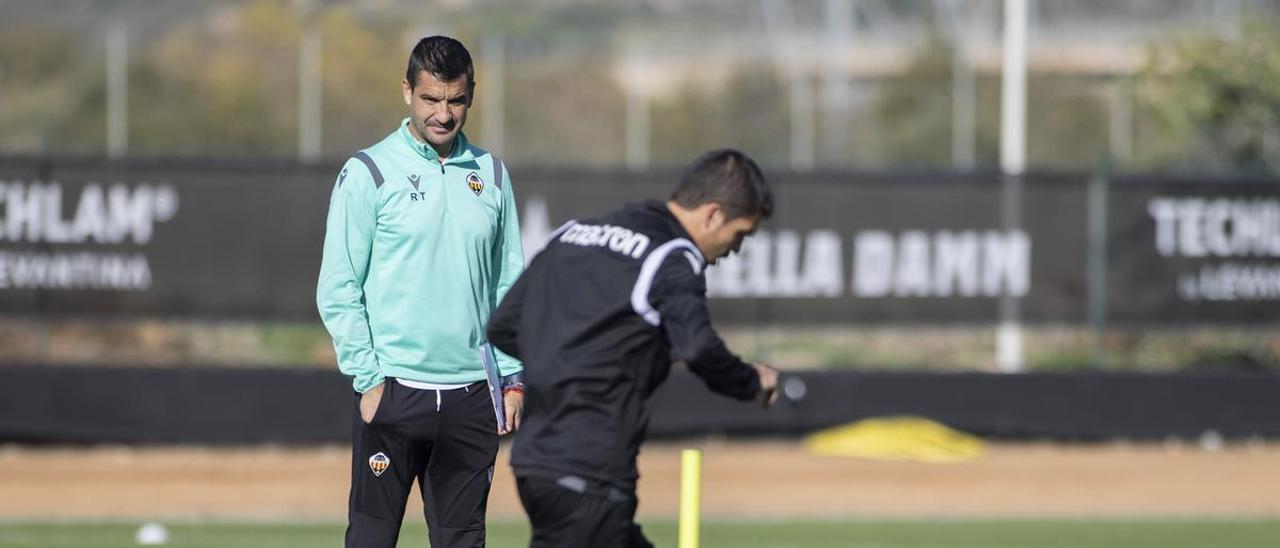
[[754, 494], [786, 534]]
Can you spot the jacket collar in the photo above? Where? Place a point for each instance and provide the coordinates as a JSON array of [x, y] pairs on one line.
[[659, 208], [461, 147]]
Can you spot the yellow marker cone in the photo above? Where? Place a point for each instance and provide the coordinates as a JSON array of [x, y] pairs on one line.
[[690, 495]]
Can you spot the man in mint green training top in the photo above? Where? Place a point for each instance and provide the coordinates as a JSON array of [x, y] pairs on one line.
[[421, 244]]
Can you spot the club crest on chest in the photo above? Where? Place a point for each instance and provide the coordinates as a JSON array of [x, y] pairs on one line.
[[475, 183]]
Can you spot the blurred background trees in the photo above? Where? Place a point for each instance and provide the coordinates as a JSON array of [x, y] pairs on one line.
[[1190, 93], [1211, 102]]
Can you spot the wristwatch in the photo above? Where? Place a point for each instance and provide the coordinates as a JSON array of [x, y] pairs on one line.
[[513, 383]]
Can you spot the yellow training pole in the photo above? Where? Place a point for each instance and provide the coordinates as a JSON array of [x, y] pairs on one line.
[[690, 493]]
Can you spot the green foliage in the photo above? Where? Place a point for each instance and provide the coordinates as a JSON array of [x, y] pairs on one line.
[[1067, 121], [226, 84], [220, 84], [1067, 118], [34, 54], [1212, 102], [224, 81], [44, 84], [363, 64], [1075, 359], [913, 110], [571, 112], [747, 113]]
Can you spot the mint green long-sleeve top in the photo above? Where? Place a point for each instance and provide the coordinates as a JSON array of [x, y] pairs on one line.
[[417, 254]]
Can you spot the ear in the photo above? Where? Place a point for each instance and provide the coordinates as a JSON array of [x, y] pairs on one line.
[[714, 216], [407, 91], [471, 92]]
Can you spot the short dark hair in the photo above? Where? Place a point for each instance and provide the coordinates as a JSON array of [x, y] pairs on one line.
[[729, 178], [442, 57]]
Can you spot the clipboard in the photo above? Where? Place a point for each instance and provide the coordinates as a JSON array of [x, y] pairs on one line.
[[495, 384]]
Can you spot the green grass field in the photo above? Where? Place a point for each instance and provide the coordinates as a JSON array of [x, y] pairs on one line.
[[790, 534]]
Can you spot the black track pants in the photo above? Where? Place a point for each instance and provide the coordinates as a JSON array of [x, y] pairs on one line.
[[569, 512], [447, 440]]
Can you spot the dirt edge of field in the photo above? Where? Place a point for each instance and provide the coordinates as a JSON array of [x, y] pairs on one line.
[[772, 480]]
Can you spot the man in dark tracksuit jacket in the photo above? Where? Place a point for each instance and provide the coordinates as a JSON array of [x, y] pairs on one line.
[[597, 318]]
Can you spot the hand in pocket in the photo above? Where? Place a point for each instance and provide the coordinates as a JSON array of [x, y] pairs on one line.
[[369, 403]]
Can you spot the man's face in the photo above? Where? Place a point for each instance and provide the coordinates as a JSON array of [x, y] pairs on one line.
[[437, 109], [725, 237]]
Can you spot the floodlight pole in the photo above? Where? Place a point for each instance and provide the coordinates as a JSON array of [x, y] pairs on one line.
[[493, 92], [117, 90], [836, 81], [638, 122], [963, 84], [310, 88], [1013, 146]]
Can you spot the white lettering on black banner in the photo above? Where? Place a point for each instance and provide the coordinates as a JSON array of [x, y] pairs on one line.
[[1219, 227], [910, 264], [946, 263], [1216, 228], [98, 215], [33, 213], [78, 270]]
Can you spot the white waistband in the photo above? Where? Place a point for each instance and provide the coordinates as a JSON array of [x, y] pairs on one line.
[[431, 385]]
